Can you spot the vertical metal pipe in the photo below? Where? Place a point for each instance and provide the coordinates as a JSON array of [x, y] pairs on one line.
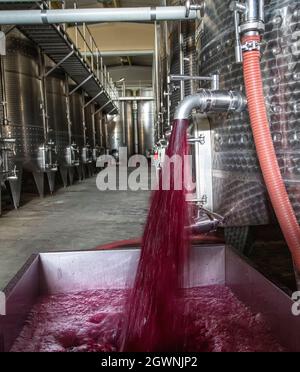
[[123, 111], [4, 98], [135, 126], [181, 60], [156, 77], [67, 90], [83, 118], [43, 88]]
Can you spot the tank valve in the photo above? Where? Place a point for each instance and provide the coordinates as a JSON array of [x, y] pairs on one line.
[[205, 222]]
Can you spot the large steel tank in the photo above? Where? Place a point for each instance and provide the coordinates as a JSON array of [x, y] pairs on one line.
[[76, 119], [115, 131], [57, 114], [89, 126], [24, 102], [77, 133], [146, 133], [239, 191], [104, 131]]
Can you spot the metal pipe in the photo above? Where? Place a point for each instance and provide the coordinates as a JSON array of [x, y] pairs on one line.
[[156, 70], [121, 53], [181, 61], [96, 15], [136, 98], [135, 126], [211, 101]]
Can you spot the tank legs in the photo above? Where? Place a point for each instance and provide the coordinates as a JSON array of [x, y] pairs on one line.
[[71, 175], [83, 171], [79, 172], [64, 175], [51, 181], [39, 181], [15, 187]]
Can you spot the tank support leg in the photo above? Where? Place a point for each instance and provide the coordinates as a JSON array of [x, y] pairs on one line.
[[51, 181], [15, 188], [64, 175], [40, 182], [79, 172], [71, 175]]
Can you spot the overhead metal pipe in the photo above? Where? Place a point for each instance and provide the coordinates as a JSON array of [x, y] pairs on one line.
[[120, 53], [133, 98], [211, 101], [96, 15]]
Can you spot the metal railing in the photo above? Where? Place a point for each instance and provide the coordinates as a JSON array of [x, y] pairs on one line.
[[85, 43]]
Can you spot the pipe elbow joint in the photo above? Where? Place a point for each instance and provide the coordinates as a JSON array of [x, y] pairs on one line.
[[211, 101]]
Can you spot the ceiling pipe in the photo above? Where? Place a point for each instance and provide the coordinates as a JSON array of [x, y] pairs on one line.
[[57, 16], [120, 53], [135, 98]]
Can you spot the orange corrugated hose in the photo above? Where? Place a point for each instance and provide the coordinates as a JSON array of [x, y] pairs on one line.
[[266, 152]]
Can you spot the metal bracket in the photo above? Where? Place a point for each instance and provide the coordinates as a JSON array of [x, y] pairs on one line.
[[81, 84], [201, 140], [101, 108], [93, 99], [215, 79], [59, 63]]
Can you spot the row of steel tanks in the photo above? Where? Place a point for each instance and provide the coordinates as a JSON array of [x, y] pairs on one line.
[[44, 128], [133, 128]]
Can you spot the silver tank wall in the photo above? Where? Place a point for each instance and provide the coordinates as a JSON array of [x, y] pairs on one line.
[[115, 130], [90, 125], [24, 100], [239, 191], [98, 129], [146, 133], [76, 118], [120, 130], [58, 125]]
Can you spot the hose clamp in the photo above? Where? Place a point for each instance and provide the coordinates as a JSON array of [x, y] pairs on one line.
[[249, 46]]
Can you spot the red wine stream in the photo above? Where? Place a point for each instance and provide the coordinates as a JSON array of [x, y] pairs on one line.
[[153, 311]]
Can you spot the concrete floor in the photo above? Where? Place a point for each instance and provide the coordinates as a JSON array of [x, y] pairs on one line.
[[79, 217]]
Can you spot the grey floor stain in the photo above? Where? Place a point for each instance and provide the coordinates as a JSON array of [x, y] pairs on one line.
[[79, 217]]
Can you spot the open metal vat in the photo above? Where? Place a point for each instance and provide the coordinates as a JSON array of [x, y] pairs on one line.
[[63, 272]]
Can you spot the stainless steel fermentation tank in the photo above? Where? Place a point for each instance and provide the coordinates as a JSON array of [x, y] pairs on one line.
[[120, 129], [238, 189], [77, 130], [89, 127], [134, 127], [59, 123], [7, 143], [25, 112], [145, 114]]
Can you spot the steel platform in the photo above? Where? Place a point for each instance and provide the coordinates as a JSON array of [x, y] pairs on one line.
[[55, 42]]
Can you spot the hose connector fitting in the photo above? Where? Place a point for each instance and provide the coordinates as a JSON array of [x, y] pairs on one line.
[[211, 101]]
